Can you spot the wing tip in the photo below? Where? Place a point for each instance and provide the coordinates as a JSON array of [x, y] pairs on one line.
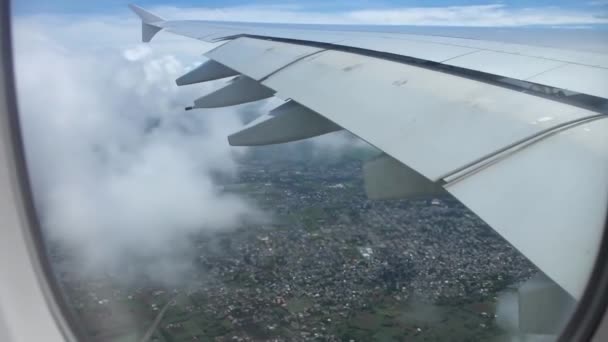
[[145, 15], [149, 22]]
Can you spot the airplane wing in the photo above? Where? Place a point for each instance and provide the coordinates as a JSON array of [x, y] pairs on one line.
[[516, 132]]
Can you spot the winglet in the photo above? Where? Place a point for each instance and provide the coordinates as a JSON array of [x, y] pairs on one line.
[[149, 22]]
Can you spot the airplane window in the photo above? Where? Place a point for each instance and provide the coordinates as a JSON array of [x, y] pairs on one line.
[[158, 229]]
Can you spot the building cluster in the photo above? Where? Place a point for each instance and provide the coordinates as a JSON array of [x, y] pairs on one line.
[[329, 255]]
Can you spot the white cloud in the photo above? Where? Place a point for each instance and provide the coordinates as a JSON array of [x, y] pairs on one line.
[[137, 53], [120, 171]]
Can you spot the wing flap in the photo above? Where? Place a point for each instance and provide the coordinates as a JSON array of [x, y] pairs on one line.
[[387, 178], [208, 71], [289, 122], [548, 200], [240, 90]]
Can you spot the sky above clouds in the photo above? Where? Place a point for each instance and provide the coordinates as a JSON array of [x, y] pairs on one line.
[[120, 172], [402, 12]]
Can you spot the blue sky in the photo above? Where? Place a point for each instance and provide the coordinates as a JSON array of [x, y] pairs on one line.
[[550, 13], [114, 6]]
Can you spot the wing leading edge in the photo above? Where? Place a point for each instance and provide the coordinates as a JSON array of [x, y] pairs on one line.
[[527, 161], [547, 66]]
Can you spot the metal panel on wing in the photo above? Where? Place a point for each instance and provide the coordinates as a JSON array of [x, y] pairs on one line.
[[431, 121], [579, 78], [510, 59], [575, 57], [258, 58], [502, 64], [562, 55], [411, 48]]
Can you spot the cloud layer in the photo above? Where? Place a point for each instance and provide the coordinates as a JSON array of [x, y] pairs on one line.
[[120, 171]]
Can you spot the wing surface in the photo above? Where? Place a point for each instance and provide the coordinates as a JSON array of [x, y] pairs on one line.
[[504, 127]]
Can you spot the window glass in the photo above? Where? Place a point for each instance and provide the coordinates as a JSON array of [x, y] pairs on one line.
[[159, 230]]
